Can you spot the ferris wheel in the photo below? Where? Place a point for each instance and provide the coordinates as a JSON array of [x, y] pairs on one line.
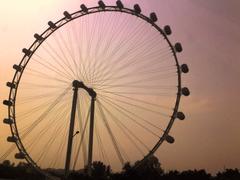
[[100, 84]]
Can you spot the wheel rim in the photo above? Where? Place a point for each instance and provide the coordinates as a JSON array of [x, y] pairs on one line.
[[117, 90]]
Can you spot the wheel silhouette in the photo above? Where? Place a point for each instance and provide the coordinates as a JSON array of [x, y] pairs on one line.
[[102, 83]]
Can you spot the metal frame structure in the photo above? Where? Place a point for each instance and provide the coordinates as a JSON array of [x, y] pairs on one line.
[[76, 84]]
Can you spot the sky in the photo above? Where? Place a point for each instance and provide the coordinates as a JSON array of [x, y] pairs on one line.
[[210, 34]]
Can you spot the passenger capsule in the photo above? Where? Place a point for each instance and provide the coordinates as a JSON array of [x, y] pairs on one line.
[[11, 85], [169, 139], [184, 68], [20, 155], [167, 30], [185, 91], [7, 103], [27, 52], [119, 4], [67, 15], [137, 9], [101, 4], [7, 121], [17, 67], [84, 8], [52, 25], [38, 37], [178, 47], [180, 116], [12, 139], [153, 17]]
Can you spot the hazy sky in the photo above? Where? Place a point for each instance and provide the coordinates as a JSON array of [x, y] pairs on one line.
[[209, 31]]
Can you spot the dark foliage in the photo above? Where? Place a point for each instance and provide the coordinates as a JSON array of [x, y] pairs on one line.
[[232, 174], [148, 170], [22, 171]]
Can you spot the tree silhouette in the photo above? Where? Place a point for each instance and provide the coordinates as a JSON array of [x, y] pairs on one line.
[[22, 171], [7, 169], [150, 169], [147, 170], [7, 163], [195, 174], [100, 170], [171, 175], [232, 174]]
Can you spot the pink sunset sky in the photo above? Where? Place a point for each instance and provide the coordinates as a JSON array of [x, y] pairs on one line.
[[209, 31]]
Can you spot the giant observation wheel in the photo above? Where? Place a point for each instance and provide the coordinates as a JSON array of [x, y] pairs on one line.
[[100, 84]]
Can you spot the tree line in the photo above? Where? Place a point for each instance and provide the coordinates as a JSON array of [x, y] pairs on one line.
[[148, 170]]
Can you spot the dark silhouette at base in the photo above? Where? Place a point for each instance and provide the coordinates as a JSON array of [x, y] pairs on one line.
[[148, 170]]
